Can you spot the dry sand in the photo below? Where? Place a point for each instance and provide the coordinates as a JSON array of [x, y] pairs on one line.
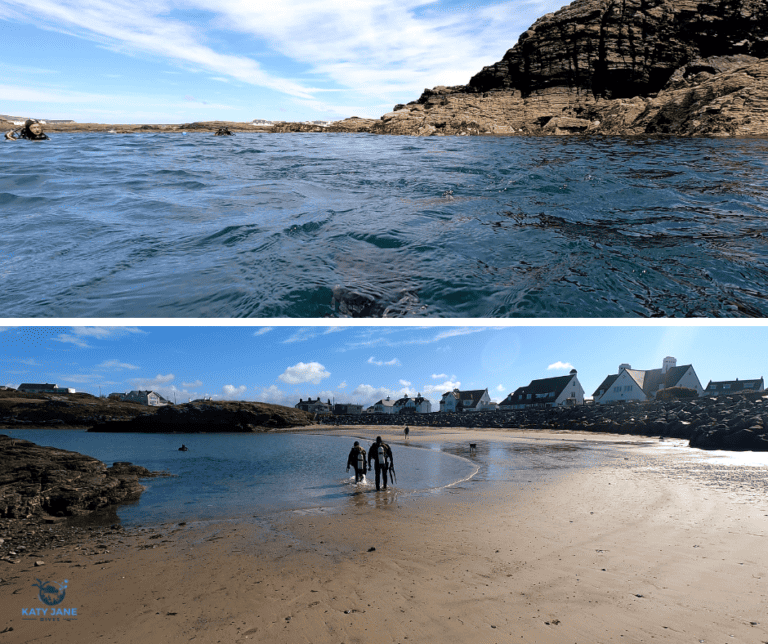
[[646, 546]]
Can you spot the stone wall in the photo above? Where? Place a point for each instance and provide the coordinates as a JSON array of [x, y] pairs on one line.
[[737, 422]]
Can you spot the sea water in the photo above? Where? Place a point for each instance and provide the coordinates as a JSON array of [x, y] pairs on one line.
[[225, 476], [322, 225]]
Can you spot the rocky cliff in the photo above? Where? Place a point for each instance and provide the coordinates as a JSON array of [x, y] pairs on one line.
[[632, 67], [225, 416]]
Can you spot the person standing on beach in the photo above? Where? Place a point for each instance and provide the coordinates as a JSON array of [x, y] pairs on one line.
[[406, 431], [356, 459], [381, 455]]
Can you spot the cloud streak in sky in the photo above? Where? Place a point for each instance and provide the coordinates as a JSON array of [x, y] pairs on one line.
[[380, 50]]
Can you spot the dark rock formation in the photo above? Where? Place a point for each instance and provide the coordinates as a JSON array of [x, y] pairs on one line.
[[621, 68], [39, 482], [613, 49], [737, 422], [228, 416], [19, 409]]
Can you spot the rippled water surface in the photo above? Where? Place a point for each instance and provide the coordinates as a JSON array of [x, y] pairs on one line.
[[308, 225], [236, 475]]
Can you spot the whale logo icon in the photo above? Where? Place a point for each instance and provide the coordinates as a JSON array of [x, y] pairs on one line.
[[51, 592]]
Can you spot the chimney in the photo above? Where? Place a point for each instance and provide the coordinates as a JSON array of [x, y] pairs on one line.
[[669, 363], [623, 366]]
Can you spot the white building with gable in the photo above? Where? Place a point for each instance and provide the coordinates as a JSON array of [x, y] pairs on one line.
[[637, 384]]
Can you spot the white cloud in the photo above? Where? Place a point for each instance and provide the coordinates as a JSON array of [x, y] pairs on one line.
[[448, 385], [116, 364], [312, 372], [152, 383], [343, 385], [230, 391], [263, 330], [437, 376], [301, 335], [405, 383], [501, 388], [381, 50], [78, 335], [192, 385], [557, 366], [390, 363]]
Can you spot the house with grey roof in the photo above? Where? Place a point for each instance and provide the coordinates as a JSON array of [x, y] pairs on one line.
[[314, 406], [733, 386], [146, 397], [471, 400], [417, 405], [638, 384], [546, 392], [385, 406]]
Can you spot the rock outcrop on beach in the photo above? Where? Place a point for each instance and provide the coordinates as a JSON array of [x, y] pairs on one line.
[[44, 482], [222, 417], [19, 409], [738, 422]]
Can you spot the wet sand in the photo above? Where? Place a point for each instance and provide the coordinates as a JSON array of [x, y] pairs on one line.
[[645, 545]]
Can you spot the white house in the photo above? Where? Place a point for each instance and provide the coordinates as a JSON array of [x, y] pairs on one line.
[[146, 397], [635, 384], [546, 392], [418, 405], [384, 407], [474, 400], [733, 386]]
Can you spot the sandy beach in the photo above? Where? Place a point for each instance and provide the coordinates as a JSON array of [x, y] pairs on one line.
[[653, 542]]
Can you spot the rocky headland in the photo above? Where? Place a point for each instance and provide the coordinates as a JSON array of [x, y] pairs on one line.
[[635, 67], [211, 417], [63, 411], [629, 68], [738, 422]]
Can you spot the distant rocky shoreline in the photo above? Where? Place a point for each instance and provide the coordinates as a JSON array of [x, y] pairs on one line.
[[595, 67], [738, 422]]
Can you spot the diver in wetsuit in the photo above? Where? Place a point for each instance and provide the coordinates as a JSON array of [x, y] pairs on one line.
[[223, 131], [356, 459], [32, 131], [381, 455]]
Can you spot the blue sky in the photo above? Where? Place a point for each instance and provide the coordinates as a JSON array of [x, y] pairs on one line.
[[360, 364], [142, 61]]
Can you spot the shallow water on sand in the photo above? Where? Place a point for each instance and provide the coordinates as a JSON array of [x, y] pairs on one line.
[[241, 475], [307, 225]]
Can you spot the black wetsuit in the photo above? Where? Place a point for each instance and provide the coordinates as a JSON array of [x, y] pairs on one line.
[[352, 461], [381, 469], [26, 134]]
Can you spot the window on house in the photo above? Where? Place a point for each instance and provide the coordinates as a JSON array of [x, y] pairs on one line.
[[617, 389], [726, 386], [627, 387]]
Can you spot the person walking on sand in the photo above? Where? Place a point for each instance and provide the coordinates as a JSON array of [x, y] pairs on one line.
[[406, 431], [356, 459], [381, 455]]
